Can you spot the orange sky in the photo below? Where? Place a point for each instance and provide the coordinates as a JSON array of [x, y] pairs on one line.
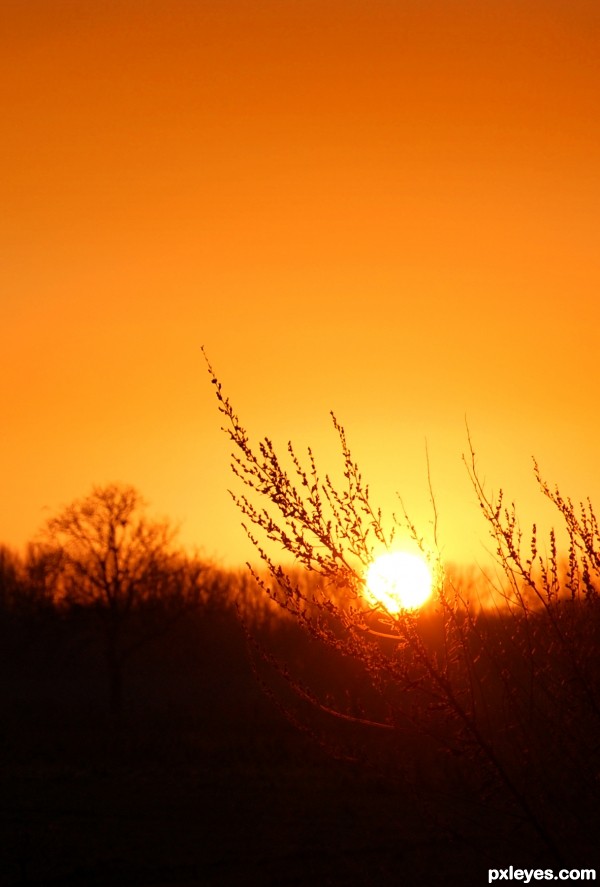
[[388, 208]]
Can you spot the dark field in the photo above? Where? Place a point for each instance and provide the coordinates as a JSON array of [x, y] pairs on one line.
[[204, 781]]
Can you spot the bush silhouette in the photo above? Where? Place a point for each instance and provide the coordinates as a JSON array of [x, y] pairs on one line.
[[507, 695]]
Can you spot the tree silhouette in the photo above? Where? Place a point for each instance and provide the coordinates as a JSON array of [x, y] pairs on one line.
[[113, 559], [487, 686], [10, 578]]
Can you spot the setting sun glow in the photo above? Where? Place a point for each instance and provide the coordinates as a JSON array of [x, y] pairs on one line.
[[399, 581]]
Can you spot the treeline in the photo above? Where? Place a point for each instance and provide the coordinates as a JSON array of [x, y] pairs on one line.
[[44, 579], [499, 709], [102, 576]]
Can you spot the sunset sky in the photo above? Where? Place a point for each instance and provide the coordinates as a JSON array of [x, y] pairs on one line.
[[385, 208]]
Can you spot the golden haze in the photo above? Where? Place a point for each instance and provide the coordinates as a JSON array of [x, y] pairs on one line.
[[388, 209]]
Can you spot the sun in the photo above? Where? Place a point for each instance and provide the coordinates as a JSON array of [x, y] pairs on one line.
[[398, 580]]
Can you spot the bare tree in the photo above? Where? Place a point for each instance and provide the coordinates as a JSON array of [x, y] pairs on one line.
[[116, 561]]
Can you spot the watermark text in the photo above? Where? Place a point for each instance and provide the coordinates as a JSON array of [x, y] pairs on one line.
[[529, 875]]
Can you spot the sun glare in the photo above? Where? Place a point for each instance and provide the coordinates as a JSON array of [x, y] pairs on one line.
[[399, 581]]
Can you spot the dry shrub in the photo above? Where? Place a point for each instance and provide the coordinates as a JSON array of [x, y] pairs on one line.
[[492, 687]]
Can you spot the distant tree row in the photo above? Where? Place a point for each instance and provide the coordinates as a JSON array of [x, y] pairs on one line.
[[103, 555]]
